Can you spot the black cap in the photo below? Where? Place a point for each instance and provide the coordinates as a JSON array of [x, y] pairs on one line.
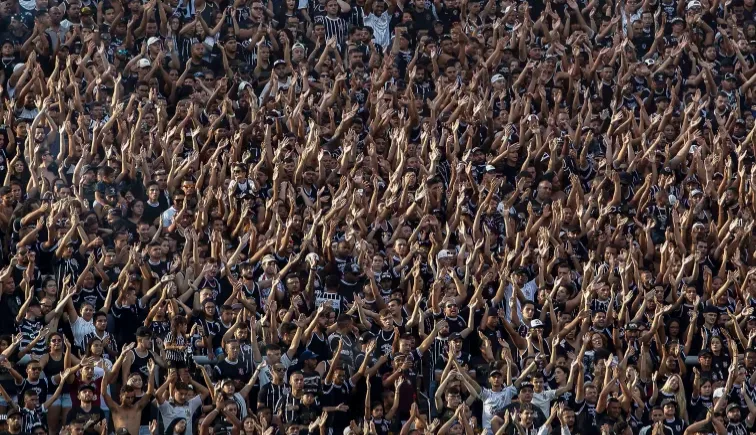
[[525, 385], [455, 336], [143, 331], [632, 326], [366, 337], [12, 412], [87, 387]]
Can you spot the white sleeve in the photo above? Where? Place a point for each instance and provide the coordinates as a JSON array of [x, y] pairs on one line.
[[485, 393], [98, 372], [195, 403]]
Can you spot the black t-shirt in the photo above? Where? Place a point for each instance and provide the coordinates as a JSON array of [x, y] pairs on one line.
[[77, 413], [238, 370]]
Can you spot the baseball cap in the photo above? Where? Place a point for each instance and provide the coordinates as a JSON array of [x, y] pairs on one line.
[[87, 387], [152, 40], [536, 323], [695, 192], [269, 258], [445, 253], [694, 4], [143, 331], [308, 354], [144, 63], [632, 326], [525, 385], [496, 78]]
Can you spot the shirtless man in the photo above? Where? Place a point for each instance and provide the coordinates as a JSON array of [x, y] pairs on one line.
[[129, 413]]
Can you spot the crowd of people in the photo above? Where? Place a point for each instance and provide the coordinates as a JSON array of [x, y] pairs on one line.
[[369, 217]]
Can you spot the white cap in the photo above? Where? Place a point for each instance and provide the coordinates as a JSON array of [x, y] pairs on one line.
[[144, 63], [719, 392], [152, 40], [445, 253], [535, 323], [243, 85], [694, 4], [650, 62], [496, 78]]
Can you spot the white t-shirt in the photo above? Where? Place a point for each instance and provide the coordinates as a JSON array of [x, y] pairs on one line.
[[80, 329], [170, 412], [543, 400], [493, 402]]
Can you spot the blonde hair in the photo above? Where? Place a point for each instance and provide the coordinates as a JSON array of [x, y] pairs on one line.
[[682, 410]]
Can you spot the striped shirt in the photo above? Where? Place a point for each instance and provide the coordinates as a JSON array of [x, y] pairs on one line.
[[92, 335], [270, 395], [336, 27], [32, 418], [175, 354], [29, 329], [290, 405]]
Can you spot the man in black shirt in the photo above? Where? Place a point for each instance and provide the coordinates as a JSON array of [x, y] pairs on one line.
[[87, 410], [232, 366], [272, 392]]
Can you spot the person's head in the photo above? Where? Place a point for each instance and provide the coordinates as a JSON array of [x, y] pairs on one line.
[[733, 413], [86, 394], [33, 370], [15, 420], [232, 349], [100, 321], [128, 396], [296, 380], [526, 414], [94, 348], [87, 311], [278, 372], [180, 392], [135, 381]]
